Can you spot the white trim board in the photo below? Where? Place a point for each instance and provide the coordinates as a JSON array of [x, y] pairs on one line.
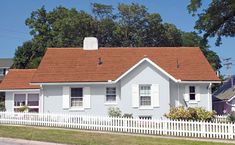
[[152, 63], [199, 82], [231, 99], [21, 90], [73, 83]]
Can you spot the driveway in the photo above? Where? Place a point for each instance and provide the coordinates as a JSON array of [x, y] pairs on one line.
[[10, 141]]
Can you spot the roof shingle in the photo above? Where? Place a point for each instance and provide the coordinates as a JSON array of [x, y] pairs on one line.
[[18, 79], [78, 65]]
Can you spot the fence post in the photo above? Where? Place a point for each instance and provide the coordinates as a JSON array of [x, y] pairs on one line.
[[203, 126], [165, 127], [231, 130], [125, 124]]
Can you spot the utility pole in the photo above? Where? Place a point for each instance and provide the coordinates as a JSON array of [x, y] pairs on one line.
[[228, 65]]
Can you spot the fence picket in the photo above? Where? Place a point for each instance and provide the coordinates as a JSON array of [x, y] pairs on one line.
[[218, 128]]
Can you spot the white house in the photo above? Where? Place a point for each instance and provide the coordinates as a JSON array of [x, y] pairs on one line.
[[143, 81]]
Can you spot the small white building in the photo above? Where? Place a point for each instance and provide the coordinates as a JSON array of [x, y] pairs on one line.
[[144, 82]]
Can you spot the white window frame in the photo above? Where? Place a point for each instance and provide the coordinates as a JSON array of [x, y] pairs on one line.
[[106, 95], [192, 100], [75, 107], [145, 85], [26, 100]]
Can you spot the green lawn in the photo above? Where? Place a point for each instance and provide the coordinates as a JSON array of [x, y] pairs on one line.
[[87, 138]]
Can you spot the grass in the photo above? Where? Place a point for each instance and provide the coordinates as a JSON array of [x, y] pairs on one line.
[[87, 138]]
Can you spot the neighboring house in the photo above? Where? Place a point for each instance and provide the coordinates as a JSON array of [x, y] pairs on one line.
[[224, 97], [5, 65], [143, 81]]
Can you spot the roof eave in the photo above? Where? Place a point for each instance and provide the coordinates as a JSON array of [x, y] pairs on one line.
[[20, 90]]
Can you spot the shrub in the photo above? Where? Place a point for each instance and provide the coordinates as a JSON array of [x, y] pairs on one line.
[[231, 116], [204, 115], [2, 106], [22, 109], [114, 112], [198, 114], [177, 113], [126, 115]]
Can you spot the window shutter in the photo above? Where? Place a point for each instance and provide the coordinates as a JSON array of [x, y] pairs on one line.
[[155, 97], [86, 97], [66, 97], [198, 93], [135, 95], [186, 93]]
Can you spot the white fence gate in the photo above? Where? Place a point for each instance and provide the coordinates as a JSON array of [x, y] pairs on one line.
[[201, 129]]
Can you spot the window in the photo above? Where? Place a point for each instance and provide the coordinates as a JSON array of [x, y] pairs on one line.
[[20, 100], [145, 117], [192, 93], [33, 100], [29, 100], [145, 95], [110, 94], [76, 97]]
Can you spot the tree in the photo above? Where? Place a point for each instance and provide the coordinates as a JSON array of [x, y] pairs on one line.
[[217, 20], [27, 56], [131, 26]]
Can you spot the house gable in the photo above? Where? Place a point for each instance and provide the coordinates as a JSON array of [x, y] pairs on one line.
[[154, 65]]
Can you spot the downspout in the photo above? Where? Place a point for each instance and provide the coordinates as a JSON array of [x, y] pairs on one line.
[[209, 107], [178, 95], [42, 100]]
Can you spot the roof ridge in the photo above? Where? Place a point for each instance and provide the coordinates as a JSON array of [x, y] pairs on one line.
[[181, 47], [22, 69], [147, 47]]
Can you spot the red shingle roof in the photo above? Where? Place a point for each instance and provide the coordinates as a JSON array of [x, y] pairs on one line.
[[18, 79], [78, 65]]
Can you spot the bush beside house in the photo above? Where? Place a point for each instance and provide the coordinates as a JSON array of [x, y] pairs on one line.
[[198, 114], [2, 106]]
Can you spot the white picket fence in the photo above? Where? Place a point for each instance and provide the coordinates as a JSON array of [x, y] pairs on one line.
[[200, 129], [221, 118]]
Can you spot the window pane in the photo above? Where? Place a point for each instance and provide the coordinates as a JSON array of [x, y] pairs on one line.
[[33, 99], [19, 99], [111, 94], [192, 89], [111, 98], [145, 95], [192, 97], [145, 90], [76, 102], [34, 110], [145, 100], [145, 117], [76, 92]]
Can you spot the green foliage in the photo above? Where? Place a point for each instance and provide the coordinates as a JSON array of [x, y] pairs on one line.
[[198, 114], [127, 115], [217, 20], [22, 109], [114, 112], [2, 106], [179, 113], [231, 116], [130, 26]]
